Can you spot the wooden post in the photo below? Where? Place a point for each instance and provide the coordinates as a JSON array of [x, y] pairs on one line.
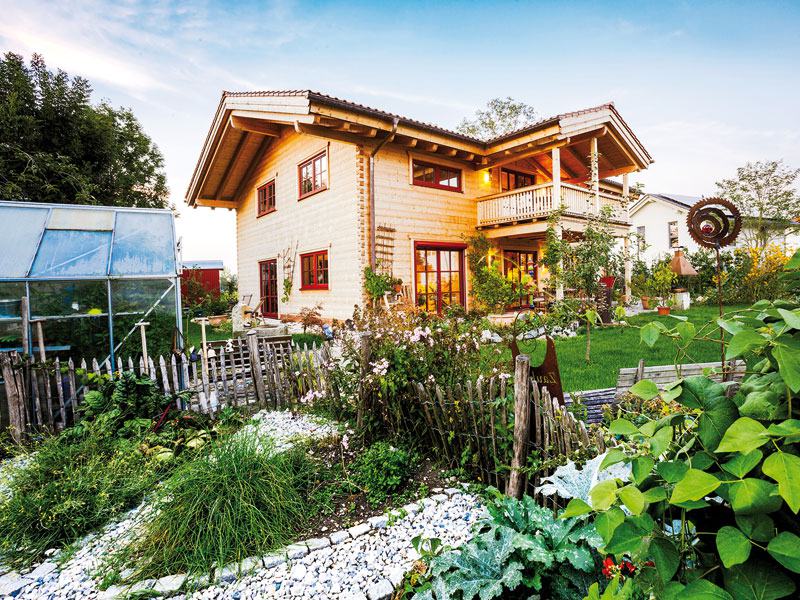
[[142, 325], [15, 394], [559, 284], [628, 267], [516, 480], [363, 393], [255, 367], [40, 339], [594, 168], [25, 314]]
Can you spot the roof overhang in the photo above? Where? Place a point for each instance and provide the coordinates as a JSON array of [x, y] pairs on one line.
[[245, 125]]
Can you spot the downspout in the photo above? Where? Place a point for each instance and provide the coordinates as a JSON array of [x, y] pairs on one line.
[[372, 220]]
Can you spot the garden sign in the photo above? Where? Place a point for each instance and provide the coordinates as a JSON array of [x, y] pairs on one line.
[[547, 374]]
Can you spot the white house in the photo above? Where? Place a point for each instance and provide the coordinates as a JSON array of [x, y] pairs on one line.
[[660, 222]]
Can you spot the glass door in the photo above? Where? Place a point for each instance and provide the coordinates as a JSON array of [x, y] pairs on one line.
[[439, 272], [268, 274], [519, 263]]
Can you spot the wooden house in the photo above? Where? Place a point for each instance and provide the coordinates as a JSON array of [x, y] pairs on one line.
[[324, 187]]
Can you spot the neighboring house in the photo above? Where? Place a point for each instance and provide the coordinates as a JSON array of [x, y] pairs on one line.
[[204, 272], [323, 187], [659, 220]]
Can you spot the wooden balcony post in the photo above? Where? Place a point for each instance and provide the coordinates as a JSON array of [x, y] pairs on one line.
[[628, 267], [595, 171], [559, 284], [556, 155]]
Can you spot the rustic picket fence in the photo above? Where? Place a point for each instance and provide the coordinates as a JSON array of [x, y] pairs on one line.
[[47, 395], [499, 423]]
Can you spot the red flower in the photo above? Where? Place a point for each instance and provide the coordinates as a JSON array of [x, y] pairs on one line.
[[628, 565], [609, 567]]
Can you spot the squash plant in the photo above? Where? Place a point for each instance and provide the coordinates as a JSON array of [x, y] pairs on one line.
[[710, 507]]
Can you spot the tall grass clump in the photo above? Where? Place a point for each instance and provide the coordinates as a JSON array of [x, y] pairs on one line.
[[240, 500], [68, 489]]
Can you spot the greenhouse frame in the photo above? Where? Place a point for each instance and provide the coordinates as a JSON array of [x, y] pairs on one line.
[[85, 277]]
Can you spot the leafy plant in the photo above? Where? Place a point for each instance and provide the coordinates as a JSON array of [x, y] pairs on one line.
[[311, 316], [520, 549], [382, 470], [377, 283], [714, 491], [570, 482], [661, 283]]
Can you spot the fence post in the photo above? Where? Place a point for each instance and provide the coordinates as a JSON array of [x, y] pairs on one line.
[[516, 479], [255, 367], [15, 394], [363, 392]]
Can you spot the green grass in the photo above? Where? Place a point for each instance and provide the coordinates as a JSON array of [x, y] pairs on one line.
[[614, 348], [194, 336]]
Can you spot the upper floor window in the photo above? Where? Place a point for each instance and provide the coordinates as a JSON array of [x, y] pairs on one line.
[[266, 198], [672, 229], [313, 175], [314, 271], [512, 180], [436, 176]]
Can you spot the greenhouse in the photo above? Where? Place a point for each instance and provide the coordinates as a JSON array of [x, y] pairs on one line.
[[78, 281]]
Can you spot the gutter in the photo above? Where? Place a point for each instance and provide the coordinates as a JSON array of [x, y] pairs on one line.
[[372, 220]]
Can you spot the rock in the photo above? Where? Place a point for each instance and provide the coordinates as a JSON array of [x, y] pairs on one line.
[[43, 570], [412, 508], [378, 522], [169, 584], [396, 575], [298, 572], [141, 586], [12, 583], [439, 497], [452, 491], [381, 590], [358, 530], [295, 551], [114, 592], [317, 543], [337, 537], [273, 560]]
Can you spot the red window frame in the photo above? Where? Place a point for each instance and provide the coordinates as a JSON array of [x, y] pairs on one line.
[[312, 260], [268, 286], [440, 247], [436, 176], [323, 174], [269, 194]]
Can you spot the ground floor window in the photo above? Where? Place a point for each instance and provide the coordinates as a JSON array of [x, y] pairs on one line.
[[439, 273], [268, 278], [314, 271], [517, 264]]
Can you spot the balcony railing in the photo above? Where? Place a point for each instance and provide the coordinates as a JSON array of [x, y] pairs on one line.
[[536, 201]]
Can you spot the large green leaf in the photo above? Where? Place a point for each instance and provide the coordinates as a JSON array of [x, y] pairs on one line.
[[612, 457], [632, 498], [788, 429], [672, 470], [644, 389], [744, 435], [603, 494], [666, 557], [703, 589], [641, 467], [628, 538], [785, 469], [758, 527], [576, 508], [697, 389], [686, 330], [733, 546], [757, 580], [741, 464], [650, 332], [785, 548], [719, 412], [607, 522], [790, 317], [695, 485], [743, 342], [623, 427], [750, 496], [788, 365]]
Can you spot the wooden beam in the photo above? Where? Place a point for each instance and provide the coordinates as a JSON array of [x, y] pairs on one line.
[[448, 151], [468, 156], [332, 134], [216, 203], [622, 147], [254, 126], [539, 168], [410, 142], [427, 146], [231, 164], [251, 168]]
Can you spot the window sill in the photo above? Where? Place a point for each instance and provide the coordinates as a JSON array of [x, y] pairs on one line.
[[311, 288], [312, 193], [435, 186], [264, 214]]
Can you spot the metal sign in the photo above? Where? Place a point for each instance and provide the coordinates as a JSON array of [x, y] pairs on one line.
[[547, 374]]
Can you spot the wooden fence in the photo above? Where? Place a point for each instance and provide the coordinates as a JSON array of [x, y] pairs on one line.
[[47, 395], [494, 427]]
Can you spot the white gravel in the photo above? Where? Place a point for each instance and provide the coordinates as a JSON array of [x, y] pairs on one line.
[[8, 468], [284, 428]]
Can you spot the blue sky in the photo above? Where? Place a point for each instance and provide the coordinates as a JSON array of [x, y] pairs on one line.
[[706, 86]]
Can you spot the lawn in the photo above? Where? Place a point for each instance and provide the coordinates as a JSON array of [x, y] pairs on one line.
[[194, 336], [616, 347]]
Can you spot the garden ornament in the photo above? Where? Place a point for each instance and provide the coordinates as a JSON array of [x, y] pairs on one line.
[[715, 223]]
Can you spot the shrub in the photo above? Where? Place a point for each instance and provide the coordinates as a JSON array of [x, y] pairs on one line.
[[377, 284], [382, 470], [311, 316], [309, 339], [522, 549], [239, 501]]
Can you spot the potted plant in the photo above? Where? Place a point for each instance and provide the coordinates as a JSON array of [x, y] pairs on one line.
[[662, 281], [397, 285]]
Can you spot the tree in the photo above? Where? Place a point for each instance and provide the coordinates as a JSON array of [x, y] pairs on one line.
[[55, 146], [765, 193], [502, 116]]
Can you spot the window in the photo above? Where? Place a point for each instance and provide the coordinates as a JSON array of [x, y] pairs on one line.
[[314, 271], [436, 176], [439, 274], [673, 234], [266, 198], [313, 175], [268, 278], [511, 180]]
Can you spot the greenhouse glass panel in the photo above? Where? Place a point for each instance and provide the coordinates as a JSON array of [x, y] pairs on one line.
[[131, 300], [74, 317], [143, 244], [20, 230], [70, 253], [10, 317]]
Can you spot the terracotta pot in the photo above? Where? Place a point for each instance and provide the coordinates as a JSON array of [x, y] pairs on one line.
[[663, 310], [398, 287], [217, 320], [646, 302]]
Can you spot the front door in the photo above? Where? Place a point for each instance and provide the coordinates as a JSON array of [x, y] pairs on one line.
[[439, 271], [268, 274], [517, 264]]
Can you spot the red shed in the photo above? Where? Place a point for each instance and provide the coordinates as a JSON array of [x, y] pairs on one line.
[[204, 272]]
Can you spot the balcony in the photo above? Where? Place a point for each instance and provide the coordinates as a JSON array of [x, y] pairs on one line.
[[536, 201]]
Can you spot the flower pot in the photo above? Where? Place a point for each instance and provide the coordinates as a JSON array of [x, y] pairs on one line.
[[663, 310], [646, 302], [398, 288]]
